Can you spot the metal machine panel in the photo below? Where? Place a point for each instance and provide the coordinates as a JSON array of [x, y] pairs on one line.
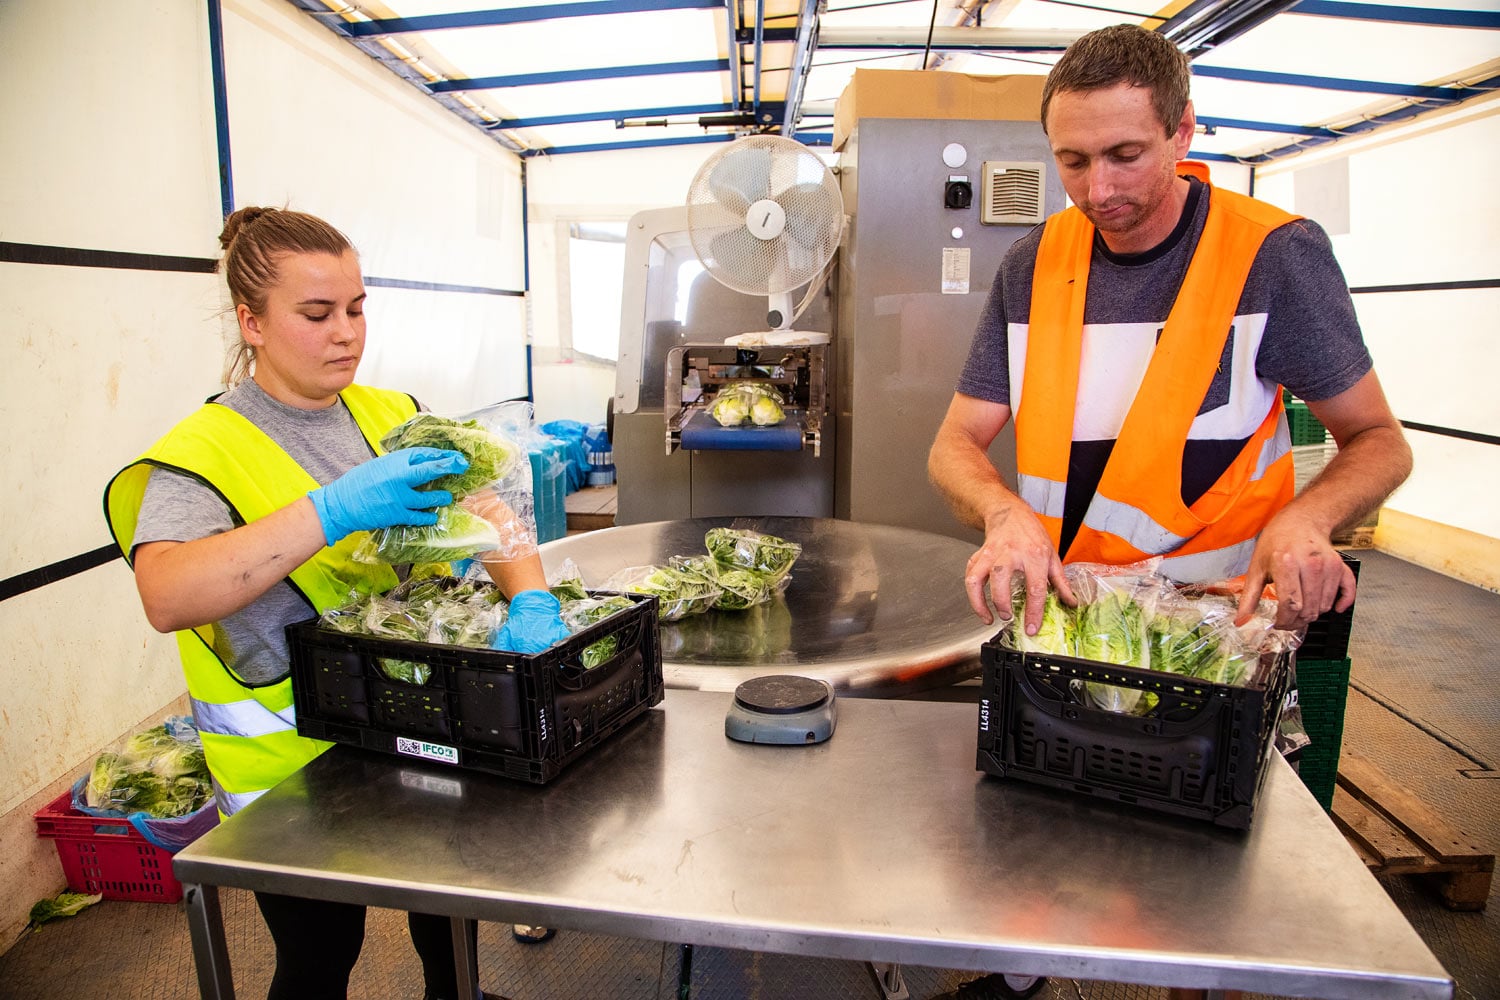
[[912, 280], [670, 303]]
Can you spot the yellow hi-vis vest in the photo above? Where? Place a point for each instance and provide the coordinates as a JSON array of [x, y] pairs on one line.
[[249, 732], [1137, 510]]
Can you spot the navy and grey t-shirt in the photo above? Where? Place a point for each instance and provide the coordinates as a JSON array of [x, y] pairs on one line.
[[1295, 326]]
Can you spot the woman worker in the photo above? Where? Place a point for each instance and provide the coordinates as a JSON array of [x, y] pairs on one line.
[[239, 522]]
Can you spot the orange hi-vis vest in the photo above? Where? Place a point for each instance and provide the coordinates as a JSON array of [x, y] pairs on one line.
[[1137, 511]]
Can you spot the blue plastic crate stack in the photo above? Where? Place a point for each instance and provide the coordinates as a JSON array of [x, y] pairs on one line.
[[562, 462]]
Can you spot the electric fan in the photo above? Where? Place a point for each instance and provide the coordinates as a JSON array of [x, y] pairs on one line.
[[765, 217]]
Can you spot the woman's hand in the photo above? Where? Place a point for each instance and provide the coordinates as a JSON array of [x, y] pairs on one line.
[[382, 492], [534, 626]]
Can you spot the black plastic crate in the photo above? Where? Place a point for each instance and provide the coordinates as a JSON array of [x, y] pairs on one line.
[[1202, 752], [1328, 636], [524, 716]]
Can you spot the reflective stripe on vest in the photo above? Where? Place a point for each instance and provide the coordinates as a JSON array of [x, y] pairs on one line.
[[241, 718], [1137, 510], [249, 732], [229, 803], [1045, 496]]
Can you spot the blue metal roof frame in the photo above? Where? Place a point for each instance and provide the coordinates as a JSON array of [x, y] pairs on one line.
[[762, 97], [567, 75], [516, 15]]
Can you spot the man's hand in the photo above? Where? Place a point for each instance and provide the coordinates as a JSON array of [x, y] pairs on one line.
[[1295, 555], [1014, 542]]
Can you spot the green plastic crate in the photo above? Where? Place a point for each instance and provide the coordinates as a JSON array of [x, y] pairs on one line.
[[1322, 691], [1305, 428]]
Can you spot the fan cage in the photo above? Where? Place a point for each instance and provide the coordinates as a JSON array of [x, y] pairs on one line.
[[743, 173]]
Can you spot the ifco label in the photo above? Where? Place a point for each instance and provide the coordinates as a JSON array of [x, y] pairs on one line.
[[429, 751]]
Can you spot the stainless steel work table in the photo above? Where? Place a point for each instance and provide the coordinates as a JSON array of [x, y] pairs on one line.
[[883, 844]]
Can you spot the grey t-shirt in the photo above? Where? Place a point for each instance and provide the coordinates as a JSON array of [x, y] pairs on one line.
[[1295, 298], [176, 507]]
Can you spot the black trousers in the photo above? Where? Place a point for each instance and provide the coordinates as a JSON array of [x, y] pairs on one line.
[[317, 944]]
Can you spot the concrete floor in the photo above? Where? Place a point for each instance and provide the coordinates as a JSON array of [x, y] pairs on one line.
[[1422, 705]]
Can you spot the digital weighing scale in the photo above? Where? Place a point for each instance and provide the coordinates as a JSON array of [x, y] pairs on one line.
[[781, 708]]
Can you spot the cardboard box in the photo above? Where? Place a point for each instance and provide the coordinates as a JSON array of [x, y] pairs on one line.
[[901, 93]]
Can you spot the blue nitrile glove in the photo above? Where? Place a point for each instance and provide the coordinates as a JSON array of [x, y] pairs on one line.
[[535, 624], [382, 493]]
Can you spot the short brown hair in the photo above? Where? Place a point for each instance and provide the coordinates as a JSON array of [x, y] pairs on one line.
[[1124, 53], [254, 240]]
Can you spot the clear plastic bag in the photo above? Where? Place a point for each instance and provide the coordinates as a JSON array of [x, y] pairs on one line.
[[744, 588], [455, 611], [580, 614], [159, 771], [493, 514], [759, 403], [678, 594], [458, 534], [745, 548], [1132, 616]]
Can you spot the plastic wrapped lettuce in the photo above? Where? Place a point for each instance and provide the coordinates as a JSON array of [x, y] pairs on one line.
[[444, 609], [730, 409], [1058, 632], [458, 534], [744, 588], [758, 402], [580, 614], [159, 771], [491, 456], [493, 510], [1132, 617], [765, 412], [678, 594], [567, 583], [1112, 629], [743, 548]]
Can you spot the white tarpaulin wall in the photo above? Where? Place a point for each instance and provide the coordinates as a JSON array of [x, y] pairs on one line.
[[114, 328]]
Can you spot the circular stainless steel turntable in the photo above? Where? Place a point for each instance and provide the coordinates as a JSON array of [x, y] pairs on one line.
[[873, 610]]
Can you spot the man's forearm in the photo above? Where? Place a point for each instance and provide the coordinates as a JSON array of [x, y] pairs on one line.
[[1358, 479], [969, 483]]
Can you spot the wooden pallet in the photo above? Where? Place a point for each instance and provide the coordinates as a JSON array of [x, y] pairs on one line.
[[1397, 833]]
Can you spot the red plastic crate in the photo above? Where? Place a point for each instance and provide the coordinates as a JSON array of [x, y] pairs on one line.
[[107, 856]]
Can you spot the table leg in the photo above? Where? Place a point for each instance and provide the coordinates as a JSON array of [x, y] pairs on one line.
[[888, 977], [684, 971], [465, 957], [206, 931]]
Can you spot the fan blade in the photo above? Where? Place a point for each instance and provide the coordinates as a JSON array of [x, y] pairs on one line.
[[741, 178], [740, 260], [813, 211]]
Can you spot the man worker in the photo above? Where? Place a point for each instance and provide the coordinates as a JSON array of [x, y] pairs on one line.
[[1148, 331]]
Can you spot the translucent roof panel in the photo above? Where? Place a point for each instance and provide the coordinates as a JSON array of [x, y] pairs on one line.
[[1256, 86], [548, 46]]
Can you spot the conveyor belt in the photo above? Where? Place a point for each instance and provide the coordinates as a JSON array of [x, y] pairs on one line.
[[703, 433]]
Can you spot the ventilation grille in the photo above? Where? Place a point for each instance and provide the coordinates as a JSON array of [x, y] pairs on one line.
[[1013, 193]]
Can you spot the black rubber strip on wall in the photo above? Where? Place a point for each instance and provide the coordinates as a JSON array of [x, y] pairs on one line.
[[35, 253], [1429, 286], [1412, 425], [72, 566]]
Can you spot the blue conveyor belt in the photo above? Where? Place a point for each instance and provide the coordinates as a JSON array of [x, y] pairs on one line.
[[703, 433]]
